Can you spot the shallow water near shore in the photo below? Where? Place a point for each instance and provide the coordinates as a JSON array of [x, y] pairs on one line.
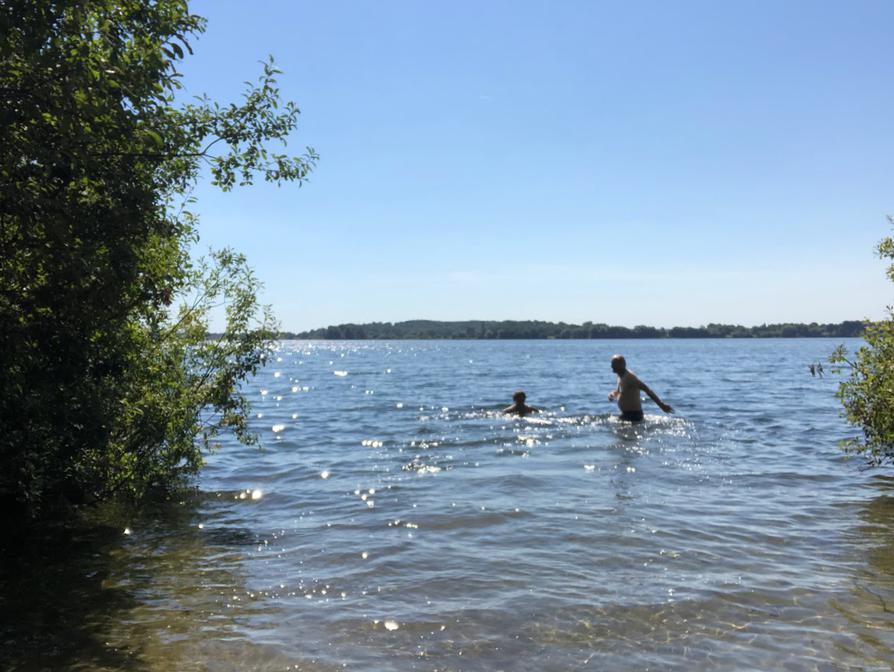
[[394, 520]]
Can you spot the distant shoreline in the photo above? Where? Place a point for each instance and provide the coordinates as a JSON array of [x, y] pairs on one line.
[[477, 330]]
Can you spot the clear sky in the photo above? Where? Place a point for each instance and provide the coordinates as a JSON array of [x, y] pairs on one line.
[[631, 163]]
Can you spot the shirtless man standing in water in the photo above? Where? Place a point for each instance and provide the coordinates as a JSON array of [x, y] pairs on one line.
[[627, 392]]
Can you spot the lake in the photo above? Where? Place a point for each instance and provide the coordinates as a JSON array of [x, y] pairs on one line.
[[394, 520]]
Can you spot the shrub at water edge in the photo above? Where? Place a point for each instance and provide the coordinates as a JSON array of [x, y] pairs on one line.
[[868, 393], [107, 386]]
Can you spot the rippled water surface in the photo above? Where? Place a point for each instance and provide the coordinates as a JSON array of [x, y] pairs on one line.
[[394, 520]]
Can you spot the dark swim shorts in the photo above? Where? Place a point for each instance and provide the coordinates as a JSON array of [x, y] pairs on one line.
[[632, 416]]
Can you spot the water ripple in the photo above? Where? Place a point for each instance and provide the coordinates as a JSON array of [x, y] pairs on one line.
[[402, 522]]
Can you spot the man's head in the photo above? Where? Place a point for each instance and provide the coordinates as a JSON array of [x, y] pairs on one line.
[[519, 397], [619, 364]]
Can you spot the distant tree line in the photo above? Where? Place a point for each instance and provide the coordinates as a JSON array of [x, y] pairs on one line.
[[537, 329]]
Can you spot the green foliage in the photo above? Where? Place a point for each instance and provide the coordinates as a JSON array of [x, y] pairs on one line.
[[868, 393], [533, 329], [107, 386]]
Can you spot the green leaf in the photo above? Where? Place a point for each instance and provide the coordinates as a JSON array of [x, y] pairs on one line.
[[156, 138]]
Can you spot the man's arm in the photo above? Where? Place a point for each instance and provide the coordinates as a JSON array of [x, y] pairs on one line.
[[615, 393], [654, 397]]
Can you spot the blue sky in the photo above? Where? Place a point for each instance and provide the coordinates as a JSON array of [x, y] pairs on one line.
[[630, 163]]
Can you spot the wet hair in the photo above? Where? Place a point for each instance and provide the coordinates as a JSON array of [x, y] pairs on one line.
[[620, 358], [519, 397]]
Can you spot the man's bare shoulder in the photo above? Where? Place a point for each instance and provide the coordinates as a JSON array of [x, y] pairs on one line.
[[630, 378]]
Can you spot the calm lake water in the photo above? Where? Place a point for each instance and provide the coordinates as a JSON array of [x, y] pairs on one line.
[[394, 520]]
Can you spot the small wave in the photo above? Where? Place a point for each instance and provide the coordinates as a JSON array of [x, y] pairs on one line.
[[421, 467]]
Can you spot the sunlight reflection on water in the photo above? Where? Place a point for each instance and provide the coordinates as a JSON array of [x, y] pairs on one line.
[[419, 528]]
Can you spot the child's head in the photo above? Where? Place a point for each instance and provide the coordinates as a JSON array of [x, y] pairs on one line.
[[519, 397]]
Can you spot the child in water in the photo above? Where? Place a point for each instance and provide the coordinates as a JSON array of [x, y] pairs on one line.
[[520, 407]]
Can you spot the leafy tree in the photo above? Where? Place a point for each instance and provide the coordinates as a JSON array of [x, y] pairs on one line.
[[868, 393], [107, 385]]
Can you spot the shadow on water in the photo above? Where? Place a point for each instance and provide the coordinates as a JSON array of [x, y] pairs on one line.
[[869, 609], [128, 590], [53, 603]]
